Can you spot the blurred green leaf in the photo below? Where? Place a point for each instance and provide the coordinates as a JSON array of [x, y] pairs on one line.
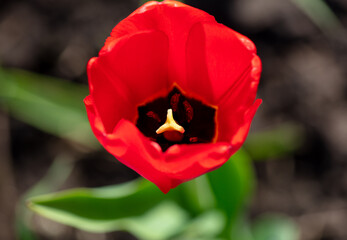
[[99, 209], [241, 229], [159, 223], [56, 175], [320, 14], [195, 195], [232, 185], [23, 231], [275, 227], [277, 142], [206, 226], [50, 104]]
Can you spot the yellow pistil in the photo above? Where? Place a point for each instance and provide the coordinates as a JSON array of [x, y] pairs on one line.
[[171, 130]]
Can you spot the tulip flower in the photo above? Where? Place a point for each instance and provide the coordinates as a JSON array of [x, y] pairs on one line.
[[172, 92]]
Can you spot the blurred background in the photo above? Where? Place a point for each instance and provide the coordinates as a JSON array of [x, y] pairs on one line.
[[303, 47]]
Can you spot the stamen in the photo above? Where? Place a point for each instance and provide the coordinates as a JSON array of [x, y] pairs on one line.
[[174, 101], [153, 115], [189, 111], [171, 130]]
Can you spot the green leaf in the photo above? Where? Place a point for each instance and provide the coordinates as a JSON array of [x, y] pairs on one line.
[[159, 223], [196, 195], [232, 184], [56, 175], [321, 14], [101, 209], [138, 207], [207, 226], [277, 142], [52, 105], [275, 227], [241, 229]]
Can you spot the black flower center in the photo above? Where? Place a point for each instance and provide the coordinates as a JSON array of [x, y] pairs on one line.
[[193, 116]]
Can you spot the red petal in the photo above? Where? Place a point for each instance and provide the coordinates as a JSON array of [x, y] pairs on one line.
[[95, 121], [178, 164], [234, 125], [242, 131], [138, 65], [134, 150], [236, 111], [174, 19], [216, 60], [244, 90], [110, 102], [246, 42], [185, 162], [130, 147]]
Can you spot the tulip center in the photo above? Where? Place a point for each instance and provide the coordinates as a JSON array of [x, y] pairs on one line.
[[177, 119], [170, 129]]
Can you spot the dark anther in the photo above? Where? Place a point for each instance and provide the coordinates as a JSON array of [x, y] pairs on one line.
[[174, 101], [189, 111], [153, 115]]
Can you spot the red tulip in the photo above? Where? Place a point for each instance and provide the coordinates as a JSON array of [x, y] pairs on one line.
[[172, 92]]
